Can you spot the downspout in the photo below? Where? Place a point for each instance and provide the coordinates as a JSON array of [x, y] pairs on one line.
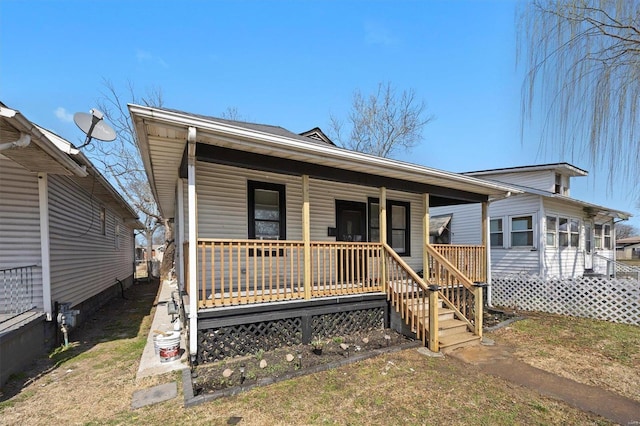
[[22, 142], [193, 241], [45, 253], [542, 245]]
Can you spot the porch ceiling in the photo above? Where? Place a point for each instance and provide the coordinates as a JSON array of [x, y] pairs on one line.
[[162, 136]]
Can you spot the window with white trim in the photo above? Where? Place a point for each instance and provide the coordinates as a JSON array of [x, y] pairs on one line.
[[103, 221], [552, 232], [597, 236], [117, 236], [522, 231], [606, 235], [496, 233], [568, 232], [562, 184]]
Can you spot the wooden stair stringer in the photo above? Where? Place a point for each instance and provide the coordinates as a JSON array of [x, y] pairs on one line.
[[452, 332]]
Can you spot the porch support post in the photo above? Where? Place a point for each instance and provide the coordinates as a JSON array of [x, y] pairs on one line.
[[383, 236], [434, 341], [306, 236], [193, 244], [477, 293], [485, 240], [426, 270], [479, 287]]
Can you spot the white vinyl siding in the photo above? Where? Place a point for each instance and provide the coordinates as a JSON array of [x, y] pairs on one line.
[[540, 179], [84, 262], [466, 228], [20, 223], [466, 222], [222, 204]]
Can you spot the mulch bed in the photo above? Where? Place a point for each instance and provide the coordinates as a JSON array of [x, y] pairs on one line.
[[247, 371]]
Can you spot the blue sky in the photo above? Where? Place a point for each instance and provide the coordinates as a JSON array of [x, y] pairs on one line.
[[288, 63]]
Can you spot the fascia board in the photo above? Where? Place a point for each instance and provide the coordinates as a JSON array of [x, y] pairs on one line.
[[342, 157]]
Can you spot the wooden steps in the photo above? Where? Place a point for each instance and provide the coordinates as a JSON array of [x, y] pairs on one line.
[[455, 341], [452, 333]]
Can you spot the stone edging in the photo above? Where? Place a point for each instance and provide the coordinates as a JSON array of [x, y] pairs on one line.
[[191, 400]]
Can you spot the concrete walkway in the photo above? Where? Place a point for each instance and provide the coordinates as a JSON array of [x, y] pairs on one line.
[[498, 361], [150, 363]]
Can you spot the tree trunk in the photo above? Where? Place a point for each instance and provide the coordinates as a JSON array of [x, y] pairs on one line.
[[169, 251]]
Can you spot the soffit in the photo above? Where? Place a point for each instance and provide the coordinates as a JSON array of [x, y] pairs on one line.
[[162, 136]]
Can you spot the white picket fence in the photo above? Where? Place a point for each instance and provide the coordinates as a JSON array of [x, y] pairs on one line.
[[609, 299]]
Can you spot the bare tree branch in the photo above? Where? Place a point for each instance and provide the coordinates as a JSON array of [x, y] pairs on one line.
[[382, 123]]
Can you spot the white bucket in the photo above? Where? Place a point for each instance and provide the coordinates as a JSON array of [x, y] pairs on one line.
[[167, 346]]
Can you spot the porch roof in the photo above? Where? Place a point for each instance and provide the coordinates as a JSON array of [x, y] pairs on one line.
[[162, 138]]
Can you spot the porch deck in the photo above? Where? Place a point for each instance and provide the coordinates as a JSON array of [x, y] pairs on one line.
[[268, 278]]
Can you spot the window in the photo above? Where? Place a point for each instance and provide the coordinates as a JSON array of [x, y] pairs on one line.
[[398, 225], [522, 231], [266, 208], [552, 222], [103, 221], [568, 232], [496, 233], [117, 237], [562, 184], [598, 236], [602, 236], [606, 234]]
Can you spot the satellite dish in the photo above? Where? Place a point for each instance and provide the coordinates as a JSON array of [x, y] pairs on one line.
[[94, 126]]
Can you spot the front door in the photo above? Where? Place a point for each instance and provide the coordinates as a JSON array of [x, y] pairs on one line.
[[351, 226]]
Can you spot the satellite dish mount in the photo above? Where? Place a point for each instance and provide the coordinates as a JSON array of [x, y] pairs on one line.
[[94, 126]]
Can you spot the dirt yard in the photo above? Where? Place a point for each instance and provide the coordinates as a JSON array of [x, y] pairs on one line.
[[92, 382]]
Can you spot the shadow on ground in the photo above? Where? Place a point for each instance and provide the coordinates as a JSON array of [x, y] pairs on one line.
[[120, 318]]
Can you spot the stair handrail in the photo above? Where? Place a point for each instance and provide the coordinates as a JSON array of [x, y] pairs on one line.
[[424, 285], [618, 266], [449, 266], [433, 314]]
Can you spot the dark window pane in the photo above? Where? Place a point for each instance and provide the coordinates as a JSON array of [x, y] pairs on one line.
[[267, 230], [398, 241], [267, 205], [398, 217], [522, 239]]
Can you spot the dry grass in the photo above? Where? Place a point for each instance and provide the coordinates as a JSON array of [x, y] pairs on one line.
[[596, 353], [92, 383]]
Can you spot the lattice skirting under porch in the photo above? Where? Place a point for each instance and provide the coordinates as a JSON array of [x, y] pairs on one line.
[[215, 344], [603, 298]]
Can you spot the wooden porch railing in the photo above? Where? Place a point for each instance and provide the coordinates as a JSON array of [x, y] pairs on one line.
[[339, 268], [235, 272], [458, 291], [409, 295], [468, 259]]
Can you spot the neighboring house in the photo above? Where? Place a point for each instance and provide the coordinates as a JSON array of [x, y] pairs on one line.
[[542, 231], [281, 237], [628, 248], [66, 239]]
